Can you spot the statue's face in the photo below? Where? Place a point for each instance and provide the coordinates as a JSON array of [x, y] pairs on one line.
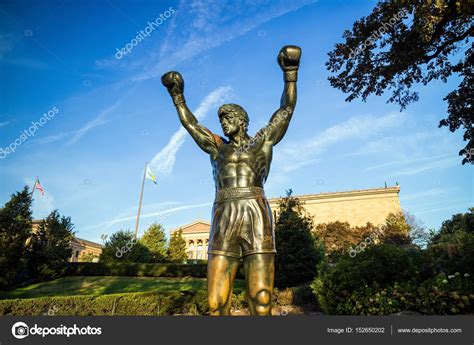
[[230, 124]]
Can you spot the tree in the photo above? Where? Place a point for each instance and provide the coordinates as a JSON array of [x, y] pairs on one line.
[[418, 233], [15, 229], [458, 222], [155, 240], [339, 237], [297, 253], [88, 257], [50, 247], [122, 247], [396, 230], [177, 247], [452, 247], [405, 42]]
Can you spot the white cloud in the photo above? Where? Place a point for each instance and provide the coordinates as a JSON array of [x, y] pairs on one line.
[[97, 121], [425, 193], [209, 24], [301, 153], [160, 214], [432, 164], [163, 162]]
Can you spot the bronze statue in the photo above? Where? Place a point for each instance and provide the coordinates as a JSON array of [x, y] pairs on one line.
[[242, 224]]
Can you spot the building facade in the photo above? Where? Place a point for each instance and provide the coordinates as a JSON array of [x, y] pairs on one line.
[[79, 246], [357, 207]]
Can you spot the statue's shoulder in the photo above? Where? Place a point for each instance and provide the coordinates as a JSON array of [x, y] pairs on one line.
[[219, 140]]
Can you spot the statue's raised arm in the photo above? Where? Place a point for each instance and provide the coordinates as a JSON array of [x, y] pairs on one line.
[[289, 61], [202, 136]]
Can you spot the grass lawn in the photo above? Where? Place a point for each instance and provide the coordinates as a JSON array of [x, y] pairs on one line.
[[70, 286]]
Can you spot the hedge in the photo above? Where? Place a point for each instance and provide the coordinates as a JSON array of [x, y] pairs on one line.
[[135, 269], [147, 304], [127, 269]]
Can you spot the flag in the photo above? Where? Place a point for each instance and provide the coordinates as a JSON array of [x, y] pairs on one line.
[[149, 175], [39, 187]]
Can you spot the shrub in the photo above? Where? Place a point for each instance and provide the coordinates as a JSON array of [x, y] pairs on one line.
[[15, 229], [303, 296], [122, 246], [136, 270], [170, 303], [239, 301], [298, 251], [50, 247], [441, 295], [453, 252], [377, 266]]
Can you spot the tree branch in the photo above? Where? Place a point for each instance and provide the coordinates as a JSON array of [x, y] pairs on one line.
[[447, 43]]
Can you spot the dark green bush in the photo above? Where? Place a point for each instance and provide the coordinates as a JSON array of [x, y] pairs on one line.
[[170, 303], [377, 266], [441, 295], [135, 269]]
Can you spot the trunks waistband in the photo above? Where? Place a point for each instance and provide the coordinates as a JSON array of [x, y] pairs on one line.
[[235, 193]]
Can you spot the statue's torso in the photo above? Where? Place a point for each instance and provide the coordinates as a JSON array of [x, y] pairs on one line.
[[234, 167]]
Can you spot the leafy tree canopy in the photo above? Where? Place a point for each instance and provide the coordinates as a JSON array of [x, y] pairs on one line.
[[177, 247], [122, 247], [15, 229], [406, 42], [50, 246], [298, 252], [154, 239]]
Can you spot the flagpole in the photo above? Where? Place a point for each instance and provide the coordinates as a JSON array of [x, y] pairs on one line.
[[34, 185], [140, 203]]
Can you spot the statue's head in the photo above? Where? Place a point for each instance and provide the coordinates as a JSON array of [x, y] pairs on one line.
[[233, 119]]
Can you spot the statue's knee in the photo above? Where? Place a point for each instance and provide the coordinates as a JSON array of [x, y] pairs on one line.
[[263, 297], [263, 300], [214, 304]]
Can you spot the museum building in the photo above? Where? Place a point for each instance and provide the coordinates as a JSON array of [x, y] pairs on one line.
[[356, 207]]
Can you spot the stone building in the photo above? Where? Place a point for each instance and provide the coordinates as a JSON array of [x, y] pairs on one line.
[[79, 246], [357, 207], [196, 235]]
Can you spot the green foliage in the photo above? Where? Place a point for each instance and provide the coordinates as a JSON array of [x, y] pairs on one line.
[[177, 247], [114, 268], [379, 265], [122, 247], [297, 251], [339, 237], [50, 247], [403, 43], [441, 295], [15, 229], [106, 285], [154, 239], [461, 222], [387, 278], [444, 295], [396, 230], [239, 301], [146, 304], [88, 257], [452, 248]]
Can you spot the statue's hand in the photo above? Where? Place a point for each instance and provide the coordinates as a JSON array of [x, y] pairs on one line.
[[289, 58], [174, 82]]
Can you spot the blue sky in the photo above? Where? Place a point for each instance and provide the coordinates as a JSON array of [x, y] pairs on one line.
[[114, 114]]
